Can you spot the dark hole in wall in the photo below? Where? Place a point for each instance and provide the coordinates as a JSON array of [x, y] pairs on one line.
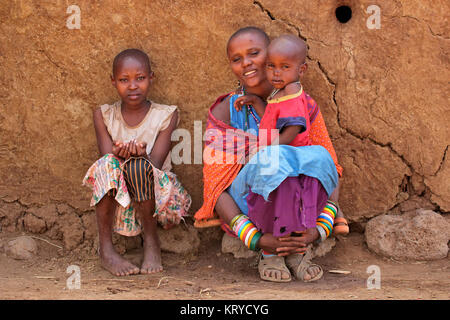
[[343, 14], [406, 182]]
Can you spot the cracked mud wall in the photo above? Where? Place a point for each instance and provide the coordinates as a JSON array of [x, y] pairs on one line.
[[383, 93]]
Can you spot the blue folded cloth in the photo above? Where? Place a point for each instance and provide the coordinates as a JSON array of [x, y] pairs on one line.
[[268, 168]]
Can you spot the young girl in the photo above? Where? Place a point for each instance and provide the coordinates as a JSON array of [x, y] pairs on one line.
[[132, 185]]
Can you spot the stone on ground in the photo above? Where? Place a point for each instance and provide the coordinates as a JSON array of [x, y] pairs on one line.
[[21, 248], [182, 239], [236, 247], [421, 235]]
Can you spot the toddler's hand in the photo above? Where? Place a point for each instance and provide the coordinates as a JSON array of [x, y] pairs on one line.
[[247, 99], [240, 102]]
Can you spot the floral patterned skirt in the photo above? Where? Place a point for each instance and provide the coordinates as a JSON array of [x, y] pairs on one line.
[[172, 202]]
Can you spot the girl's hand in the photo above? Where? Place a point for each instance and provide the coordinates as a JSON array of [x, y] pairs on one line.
[[132, 147], [141, 149], [137, 149], [120, 149]]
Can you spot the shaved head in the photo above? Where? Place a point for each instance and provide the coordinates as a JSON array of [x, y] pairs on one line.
[[134, 54], [290, 44], [254, 30]]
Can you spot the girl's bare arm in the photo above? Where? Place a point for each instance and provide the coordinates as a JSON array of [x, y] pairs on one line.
[[104, 141], [163, 143]]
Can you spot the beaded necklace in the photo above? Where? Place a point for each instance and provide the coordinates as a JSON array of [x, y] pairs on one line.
[[248, 110], [275, 91]]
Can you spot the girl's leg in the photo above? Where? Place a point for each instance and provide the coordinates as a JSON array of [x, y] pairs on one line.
[[152, 251], [139, 177], [110, 259]]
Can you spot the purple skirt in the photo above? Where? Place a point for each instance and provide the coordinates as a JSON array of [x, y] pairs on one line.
[[293, 206]]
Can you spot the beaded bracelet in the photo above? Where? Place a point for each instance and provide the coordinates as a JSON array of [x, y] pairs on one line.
[[246, 231]]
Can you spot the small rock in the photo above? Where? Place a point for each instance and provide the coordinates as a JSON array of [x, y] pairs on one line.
[[181, 239], [421, 235], [324, 247], [236, 247], [21, 248]]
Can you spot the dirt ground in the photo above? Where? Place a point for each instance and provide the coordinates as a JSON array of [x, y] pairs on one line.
[[211, 274]]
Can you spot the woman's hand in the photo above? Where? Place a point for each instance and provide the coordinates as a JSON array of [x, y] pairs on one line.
[[282, 246]]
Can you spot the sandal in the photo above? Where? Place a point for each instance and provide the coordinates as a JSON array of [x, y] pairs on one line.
[[299, 265], [340, 226], [207, 223], [276, 263]]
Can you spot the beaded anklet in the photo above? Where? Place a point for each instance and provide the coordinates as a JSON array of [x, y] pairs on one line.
[[246, 231]]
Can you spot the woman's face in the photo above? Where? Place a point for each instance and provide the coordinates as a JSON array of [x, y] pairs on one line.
[[247, 54]]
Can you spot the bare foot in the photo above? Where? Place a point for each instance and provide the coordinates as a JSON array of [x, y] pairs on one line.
[[116, 264], [152, 255]]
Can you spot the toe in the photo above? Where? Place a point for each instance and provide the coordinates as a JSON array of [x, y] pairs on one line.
[[143, 271], [277, 275]]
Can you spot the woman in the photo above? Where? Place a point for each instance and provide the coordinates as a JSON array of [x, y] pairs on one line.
[[246, 51]]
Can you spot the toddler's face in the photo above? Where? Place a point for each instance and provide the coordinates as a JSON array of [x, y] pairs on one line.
[[132, 80], [283, 67], [247, 55]]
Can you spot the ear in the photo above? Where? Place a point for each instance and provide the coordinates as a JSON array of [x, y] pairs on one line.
[[303, 69], [151, 76], [113, 81]]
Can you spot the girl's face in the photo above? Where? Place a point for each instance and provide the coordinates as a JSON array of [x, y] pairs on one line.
[[247, 54], [132, 80]]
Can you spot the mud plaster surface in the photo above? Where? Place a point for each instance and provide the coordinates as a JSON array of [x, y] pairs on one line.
[[383, 94]]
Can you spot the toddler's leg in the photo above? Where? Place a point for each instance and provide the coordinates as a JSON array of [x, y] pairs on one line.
[[139, 177], [110, 259]]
